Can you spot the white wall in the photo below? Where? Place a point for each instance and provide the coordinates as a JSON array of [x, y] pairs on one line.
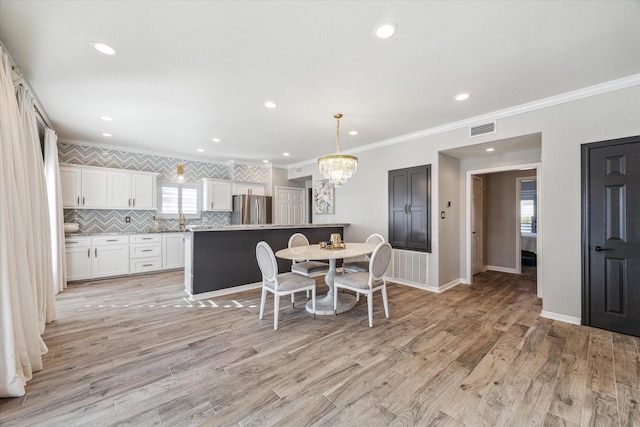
[[449, 229], [564, 127]]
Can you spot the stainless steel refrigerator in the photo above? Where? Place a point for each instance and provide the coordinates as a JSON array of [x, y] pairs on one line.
[[248, 209]]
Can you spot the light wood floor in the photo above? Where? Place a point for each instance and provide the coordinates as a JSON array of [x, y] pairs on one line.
[[134, 352]]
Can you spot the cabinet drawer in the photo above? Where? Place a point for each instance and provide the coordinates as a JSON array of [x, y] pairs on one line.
[[109, 240], [145, 238], [77, 241], [142, 250], [142, 265]]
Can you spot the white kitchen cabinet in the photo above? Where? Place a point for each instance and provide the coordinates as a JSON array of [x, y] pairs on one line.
[[254, 189], [83, 187], [145, 253], [216, 195], [71, 182], [131, 190], [78, 258], [110, 256], [172, 250]]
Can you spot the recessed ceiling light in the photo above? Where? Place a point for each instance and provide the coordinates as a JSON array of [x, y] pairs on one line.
[[462, 97], [491, 149], [107, 134], [285, 154], [265, 161], [385, 31], [104, 48], [353, 132], [107, 118], [215, 139], [270, 104], [200, 150]]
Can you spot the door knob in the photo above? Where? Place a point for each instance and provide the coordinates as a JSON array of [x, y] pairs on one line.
[[600, 249]]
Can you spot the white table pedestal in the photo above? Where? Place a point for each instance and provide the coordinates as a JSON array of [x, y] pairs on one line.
[[324, 305]]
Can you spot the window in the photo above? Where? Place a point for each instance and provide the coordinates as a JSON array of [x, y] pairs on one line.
[[174, 199]]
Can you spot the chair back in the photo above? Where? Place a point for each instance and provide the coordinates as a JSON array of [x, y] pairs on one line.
[[298, 239], [267, 263], [379, 263], [375, 239]]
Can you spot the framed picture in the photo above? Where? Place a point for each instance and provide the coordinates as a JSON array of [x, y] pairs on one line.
[[323, 197]]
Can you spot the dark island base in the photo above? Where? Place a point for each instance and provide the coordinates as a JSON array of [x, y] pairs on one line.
[[227, 259]]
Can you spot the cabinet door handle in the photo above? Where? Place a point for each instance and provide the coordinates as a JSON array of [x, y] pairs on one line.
[[211, 205], [600, 249], [89, 253], [72, 241], [147, 238], [134, 203], [78, 200], [147, 250], [147, 265], [96, 252], [129, 202], [82, 200], [409, 208], [112, 240]]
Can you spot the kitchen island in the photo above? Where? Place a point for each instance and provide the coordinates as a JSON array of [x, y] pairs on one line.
[[222, 260]]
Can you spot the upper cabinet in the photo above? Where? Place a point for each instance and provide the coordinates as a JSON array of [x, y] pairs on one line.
[[83, 187], [216, 195], [87, 187], [254, 189], [131, 190]]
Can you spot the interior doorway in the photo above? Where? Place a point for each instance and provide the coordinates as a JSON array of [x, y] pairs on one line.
[[501, 230], [477, 226]]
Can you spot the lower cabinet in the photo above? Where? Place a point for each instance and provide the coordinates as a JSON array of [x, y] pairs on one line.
[[172, 250], [110, 256], [146, 253], [96, 257], [78, 255], [93, 257]]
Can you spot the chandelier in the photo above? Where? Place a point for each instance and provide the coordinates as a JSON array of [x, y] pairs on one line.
[[338, 168]]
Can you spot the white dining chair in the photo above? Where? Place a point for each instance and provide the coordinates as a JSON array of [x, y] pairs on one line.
[[367, 283], [362, 266], [280, 284], [305, 267]]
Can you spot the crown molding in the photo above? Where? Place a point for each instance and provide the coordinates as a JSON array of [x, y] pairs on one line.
[[551, 101]]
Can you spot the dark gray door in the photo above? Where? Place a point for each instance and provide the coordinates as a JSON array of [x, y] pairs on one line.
[[611, 235]]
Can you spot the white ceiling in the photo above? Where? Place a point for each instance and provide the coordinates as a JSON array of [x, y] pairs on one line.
[[186, 72]]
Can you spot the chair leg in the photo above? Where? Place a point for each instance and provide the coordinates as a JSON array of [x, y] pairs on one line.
[[262, 301], [313, 301], [293, 305], [384, 300], [276, 308], [307, 294], [370, 304]]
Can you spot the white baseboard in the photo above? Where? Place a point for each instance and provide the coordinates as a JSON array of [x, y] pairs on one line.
[[561, 317], [233, 290], [502, 269], [422, 286]]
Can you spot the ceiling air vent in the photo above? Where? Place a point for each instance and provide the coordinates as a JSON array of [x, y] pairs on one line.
[[299, 170], [482, 129]]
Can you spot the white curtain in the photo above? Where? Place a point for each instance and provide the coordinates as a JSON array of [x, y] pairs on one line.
[[26, 277], [56, 214]]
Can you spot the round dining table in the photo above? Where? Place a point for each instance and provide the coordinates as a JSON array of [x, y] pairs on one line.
[[324, 305]]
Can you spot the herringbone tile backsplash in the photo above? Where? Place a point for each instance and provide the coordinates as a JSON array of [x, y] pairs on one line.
[[105, 221]]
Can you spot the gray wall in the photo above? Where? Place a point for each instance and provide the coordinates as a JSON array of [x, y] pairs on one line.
[[449, 190]]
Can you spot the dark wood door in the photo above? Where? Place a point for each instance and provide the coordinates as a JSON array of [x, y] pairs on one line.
[[611, 235], [409, 208]]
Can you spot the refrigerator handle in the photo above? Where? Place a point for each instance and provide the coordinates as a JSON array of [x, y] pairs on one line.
[[257, 210]]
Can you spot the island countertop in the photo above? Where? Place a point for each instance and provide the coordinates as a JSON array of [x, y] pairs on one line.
[[235, 227]]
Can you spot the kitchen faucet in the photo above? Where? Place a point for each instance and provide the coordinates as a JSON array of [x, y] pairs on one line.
[[181, 222]]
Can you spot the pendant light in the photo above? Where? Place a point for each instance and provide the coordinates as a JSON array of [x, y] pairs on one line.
[[338, 168]]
